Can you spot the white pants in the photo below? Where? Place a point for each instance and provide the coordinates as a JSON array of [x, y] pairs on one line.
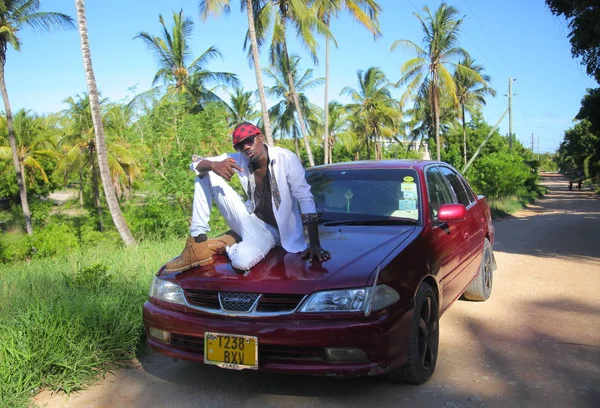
[[258, 237]]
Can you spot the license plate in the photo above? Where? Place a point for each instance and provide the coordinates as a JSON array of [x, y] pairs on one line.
[[232, 351]]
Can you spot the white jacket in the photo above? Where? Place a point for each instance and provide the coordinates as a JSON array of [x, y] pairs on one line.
[[288, 189]]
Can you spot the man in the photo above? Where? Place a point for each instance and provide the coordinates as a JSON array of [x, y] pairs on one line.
[[274, 181]]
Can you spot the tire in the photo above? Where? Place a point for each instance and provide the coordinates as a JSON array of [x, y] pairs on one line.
[[481, 287], [424, 340]]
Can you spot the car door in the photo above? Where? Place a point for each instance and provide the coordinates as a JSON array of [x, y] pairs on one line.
[[446, 237], [472, 228]]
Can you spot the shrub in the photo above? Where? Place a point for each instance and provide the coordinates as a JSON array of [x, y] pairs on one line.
[[55, 239], [499, 175], [40, 211], [14, 246], [92, 278]]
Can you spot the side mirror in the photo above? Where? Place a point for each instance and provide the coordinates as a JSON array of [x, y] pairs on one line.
[[452, 212]]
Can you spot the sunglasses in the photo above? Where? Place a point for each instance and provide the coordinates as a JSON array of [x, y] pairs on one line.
[[248, 141]]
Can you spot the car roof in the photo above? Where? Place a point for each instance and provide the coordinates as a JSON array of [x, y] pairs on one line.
[[378, 164]]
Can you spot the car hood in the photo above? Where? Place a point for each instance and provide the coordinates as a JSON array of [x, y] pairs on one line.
[[355, 253]]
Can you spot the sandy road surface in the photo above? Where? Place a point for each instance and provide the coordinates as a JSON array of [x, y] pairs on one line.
[[534, 343]]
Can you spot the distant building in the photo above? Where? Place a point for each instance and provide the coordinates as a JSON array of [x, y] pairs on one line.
[[410, 146]]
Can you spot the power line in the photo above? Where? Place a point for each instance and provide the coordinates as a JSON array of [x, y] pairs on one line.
[[474, 43], [486, 34], [411, 3], [484, 56]]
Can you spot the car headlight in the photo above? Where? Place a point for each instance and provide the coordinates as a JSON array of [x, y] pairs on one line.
[[168, 291], [384, 296], [350, 300]]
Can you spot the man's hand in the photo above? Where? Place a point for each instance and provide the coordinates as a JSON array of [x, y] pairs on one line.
[[226, 168], [316, 252]]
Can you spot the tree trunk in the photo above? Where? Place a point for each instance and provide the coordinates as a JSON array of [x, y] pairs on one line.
[[23, 180], [436, 119], [111, 199], [297, 146], [13, 147], [464, 133], [96, 190], [326, 156], [259, 82], [330, 144], [290, 79], [81, 187]]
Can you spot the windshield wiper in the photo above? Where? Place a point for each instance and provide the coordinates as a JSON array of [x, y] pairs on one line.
[[373, 221]]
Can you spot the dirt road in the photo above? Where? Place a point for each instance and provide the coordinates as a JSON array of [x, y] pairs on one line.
[[534, 343]]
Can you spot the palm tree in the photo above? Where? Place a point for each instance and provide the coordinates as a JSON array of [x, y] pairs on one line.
[[34, 142], [14, 14], [470, 93], [241, 107], [178, 74], [374, 105], [338, 128], [366, 12], [441, 46], [79, 146], [282, 114], [304, 21], [217, 6], [421, 122], [109, 192]]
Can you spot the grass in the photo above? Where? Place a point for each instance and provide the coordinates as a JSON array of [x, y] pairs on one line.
[[65, 320], [502, 208]]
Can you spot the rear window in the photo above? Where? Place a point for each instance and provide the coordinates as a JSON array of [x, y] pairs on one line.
[[343, 194]]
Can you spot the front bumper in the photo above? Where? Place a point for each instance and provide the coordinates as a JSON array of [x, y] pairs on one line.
[[290, 345]]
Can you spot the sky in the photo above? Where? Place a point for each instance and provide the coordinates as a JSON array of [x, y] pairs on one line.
[[518, 39]]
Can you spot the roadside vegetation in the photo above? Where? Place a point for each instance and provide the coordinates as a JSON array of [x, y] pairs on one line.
[[71, 289]]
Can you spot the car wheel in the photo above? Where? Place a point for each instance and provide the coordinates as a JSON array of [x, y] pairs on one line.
[[481, 287], [424, 340]]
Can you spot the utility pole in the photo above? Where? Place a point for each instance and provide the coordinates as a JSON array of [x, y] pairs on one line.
[[538, 147], [510, 95], [531, 143], [472, 159]]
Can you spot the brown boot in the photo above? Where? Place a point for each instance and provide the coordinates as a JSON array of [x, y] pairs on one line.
[[200, 254], [219, 243]]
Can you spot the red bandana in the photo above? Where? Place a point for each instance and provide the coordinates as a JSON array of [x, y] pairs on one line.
[[244, 131]]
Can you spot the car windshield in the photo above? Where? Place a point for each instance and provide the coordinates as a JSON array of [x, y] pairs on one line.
[[366, 196]]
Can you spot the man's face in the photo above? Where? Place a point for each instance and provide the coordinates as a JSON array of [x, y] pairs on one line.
[[253, 147]]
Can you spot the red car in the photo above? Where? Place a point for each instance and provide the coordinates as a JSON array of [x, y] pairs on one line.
[[407, 239]]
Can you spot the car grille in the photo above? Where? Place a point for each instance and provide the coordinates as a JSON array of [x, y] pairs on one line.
[[237, 302], [278, 303], [266, 352], [203, 298], [242, 302]]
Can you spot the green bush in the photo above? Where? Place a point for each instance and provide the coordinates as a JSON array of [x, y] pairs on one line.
[[93, 278], [40, 211], [499, 175], [89, 236], [55, 239], [14, 246]]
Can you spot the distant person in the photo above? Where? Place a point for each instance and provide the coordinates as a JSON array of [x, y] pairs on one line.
[[274, 180], [579, 183], [571, 184]]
